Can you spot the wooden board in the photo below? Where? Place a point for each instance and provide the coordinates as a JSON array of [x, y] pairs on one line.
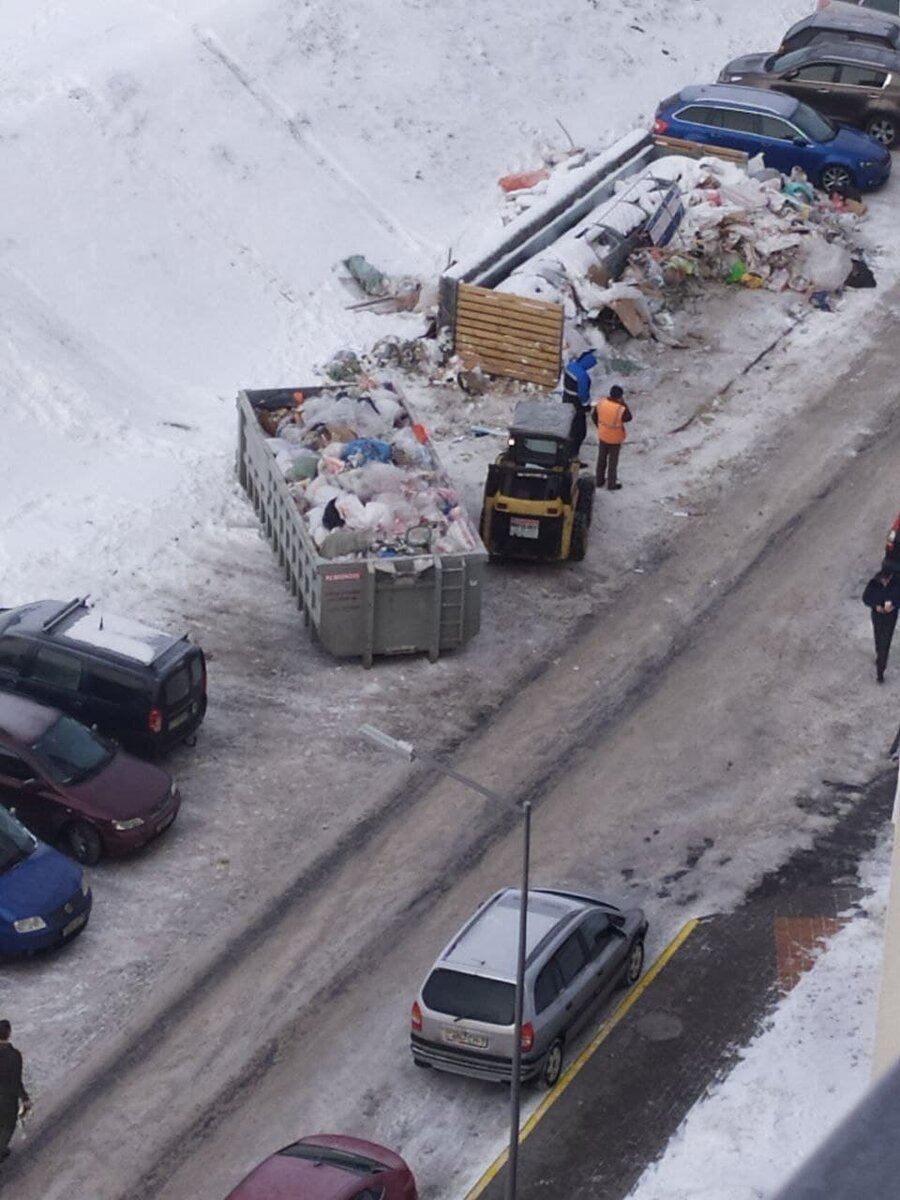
[[699, 150], [507, 335]]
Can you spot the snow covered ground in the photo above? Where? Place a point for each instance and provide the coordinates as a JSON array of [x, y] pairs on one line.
[[181, 183], [804, 1072]]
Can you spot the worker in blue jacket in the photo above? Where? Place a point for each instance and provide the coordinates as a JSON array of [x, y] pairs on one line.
[[577, 392]]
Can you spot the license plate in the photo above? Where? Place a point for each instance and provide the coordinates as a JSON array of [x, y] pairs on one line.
[[527, 527], [73, 925], [462, 1037], [180, 719]]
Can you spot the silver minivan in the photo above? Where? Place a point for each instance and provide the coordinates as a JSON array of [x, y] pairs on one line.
[[579, 948]]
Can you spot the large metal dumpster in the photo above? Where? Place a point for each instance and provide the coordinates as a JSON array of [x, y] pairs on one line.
[[359, 605]]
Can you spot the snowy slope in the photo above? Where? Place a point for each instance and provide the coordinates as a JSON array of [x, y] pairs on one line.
[[181, 181]]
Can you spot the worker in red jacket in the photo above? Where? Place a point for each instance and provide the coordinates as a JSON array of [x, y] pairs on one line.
[[610, 416]]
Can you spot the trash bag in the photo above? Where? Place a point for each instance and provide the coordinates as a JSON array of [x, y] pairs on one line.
[[372, 281], [366, 450], [344, 541], [737, 272], [303, 466], [860, 275], [824, 264], [331, 518]]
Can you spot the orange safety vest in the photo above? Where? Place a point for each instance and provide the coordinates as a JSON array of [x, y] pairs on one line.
[[610, 422]]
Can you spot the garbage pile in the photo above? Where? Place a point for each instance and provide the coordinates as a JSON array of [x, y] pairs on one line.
[[364, 475], [759, 229], [753, 227]]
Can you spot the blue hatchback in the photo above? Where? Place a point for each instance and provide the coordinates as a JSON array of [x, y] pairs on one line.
[[785, 131], [44, 900]]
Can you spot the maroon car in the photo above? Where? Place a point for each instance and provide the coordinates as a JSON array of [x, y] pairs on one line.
[[892, 549], [329, 1167], [76, 789]]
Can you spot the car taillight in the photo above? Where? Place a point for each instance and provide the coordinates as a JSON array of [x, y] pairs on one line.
[[660, 125], [416, 1017], [526, 1042], [154, 720]]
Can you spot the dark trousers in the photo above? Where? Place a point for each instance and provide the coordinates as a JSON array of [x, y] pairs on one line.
[[607, 464], [883, 628], [578, 428], [8, 1116]]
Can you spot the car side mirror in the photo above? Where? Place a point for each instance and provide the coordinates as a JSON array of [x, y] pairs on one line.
[[799, 141]]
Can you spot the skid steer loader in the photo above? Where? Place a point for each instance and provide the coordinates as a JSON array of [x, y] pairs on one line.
[[537, 500]]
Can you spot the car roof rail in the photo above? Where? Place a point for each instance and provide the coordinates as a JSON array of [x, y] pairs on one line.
[[65, 611]]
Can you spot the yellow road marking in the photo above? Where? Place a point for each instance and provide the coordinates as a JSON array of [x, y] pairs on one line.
[[602, 1034]]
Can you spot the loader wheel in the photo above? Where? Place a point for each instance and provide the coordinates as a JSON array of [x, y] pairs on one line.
[[578, 546], [586, 489]]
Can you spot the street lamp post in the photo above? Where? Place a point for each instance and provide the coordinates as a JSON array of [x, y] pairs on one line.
[[411, 754]]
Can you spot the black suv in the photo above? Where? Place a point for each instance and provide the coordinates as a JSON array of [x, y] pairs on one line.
[[142, 687], [855, 25]]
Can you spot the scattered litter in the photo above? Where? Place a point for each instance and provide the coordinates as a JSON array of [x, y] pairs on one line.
[[394, 294], [372, 281], [860, 275], [519, 180]]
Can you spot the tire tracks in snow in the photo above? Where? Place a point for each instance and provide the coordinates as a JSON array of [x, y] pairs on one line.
[[300, 133]]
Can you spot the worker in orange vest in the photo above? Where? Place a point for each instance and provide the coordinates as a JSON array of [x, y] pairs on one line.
[[610, 415]]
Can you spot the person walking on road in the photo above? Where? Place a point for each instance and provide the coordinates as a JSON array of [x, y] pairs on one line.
[[882, 596], [610, 416], [577, 393], [12, 1090]]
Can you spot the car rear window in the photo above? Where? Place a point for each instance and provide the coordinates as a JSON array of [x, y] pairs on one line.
[[184, 680], [344, 1159], [470, 996]]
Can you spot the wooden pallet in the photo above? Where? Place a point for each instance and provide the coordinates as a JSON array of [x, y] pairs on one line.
[[508, 335]]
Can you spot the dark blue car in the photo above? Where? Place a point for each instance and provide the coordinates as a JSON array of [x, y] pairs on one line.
[[44, 900], [785, 131]]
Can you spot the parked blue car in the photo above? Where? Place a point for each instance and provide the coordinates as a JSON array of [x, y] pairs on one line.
[[785, 131], [44, 900]]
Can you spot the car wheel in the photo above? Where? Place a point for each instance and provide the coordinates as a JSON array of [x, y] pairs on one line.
[[835, 178], [82, 841], [553, 1064], [635, 963], [883, 129]]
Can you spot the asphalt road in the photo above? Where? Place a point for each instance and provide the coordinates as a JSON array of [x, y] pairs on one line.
[[675, 752], [681, 1029]]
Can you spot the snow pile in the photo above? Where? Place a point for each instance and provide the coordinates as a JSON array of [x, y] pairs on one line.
[[365, 476]]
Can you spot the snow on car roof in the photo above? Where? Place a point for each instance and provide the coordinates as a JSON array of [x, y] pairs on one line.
[[491, 940], [119, 635]]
